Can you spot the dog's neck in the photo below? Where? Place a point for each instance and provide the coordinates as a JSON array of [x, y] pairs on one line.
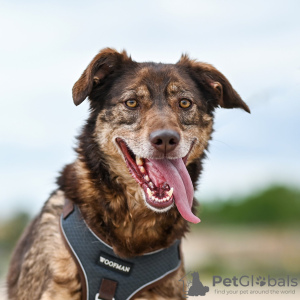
[[113, 206]]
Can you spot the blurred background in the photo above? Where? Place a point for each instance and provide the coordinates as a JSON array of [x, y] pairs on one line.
[[249, 191]]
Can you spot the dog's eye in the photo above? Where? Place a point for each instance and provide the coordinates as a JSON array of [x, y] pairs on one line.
[[185, 103], [131, 103]]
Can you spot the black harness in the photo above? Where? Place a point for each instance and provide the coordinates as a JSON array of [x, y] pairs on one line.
[[107, 276]]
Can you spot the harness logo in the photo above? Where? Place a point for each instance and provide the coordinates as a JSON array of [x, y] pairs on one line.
[[115, 264]]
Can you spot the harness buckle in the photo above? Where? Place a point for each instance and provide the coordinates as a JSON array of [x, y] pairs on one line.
[[97, 297]]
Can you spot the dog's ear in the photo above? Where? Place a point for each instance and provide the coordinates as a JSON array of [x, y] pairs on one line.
[[103, 64], [215, 81]]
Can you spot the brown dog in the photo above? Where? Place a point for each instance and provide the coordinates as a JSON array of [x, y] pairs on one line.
[[139, 157]]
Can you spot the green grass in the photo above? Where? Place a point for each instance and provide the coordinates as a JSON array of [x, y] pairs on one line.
[[10, 231], [275, 206]]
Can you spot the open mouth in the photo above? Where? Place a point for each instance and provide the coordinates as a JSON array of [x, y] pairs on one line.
[[164, 181]]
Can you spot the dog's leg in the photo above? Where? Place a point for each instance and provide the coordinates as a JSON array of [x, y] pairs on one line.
[[41, 267], [60, 292]]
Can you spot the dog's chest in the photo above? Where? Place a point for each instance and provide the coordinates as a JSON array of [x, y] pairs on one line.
[[102, 271]]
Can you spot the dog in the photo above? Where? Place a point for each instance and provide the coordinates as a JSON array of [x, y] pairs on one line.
[[131, 187]]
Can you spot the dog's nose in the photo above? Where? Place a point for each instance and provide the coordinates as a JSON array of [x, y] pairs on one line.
[[164, 140]]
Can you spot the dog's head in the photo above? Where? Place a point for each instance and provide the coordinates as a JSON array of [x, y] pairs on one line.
[[155, 118]]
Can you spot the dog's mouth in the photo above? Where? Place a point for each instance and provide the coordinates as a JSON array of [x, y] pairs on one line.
[[164, 181]]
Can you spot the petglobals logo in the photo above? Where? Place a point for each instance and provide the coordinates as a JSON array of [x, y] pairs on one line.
[[254, 281], [242, 285], [254, 285], [193, 287]]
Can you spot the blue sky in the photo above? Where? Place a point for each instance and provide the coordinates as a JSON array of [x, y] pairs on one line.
[[45, 46]]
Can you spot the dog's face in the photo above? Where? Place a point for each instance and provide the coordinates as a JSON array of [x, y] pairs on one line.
[[156, 119]]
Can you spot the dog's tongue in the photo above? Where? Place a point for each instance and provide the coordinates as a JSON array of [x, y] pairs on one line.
[[177, 176]]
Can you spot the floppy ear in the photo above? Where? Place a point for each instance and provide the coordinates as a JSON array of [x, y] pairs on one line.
[[215, 81], [103, 64]]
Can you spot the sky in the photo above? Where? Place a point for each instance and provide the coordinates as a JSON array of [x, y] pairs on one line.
[[46, 45]]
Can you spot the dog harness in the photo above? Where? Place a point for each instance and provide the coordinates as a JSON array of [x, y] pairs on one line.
[[104, 274]]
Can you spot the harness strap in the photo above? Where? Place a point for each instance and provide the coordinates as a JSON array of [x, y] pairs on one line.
[[68, 208], [107, 289], [103, 274]]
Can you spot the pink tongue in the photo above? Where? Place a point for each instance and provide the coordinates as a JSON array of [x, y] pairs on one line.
[[177, 176]]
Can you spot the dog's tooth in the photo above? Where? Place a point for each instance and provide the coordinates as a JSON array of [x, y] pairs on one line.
[[149, 192], [151, 185], [170, 192], [147, 177], [139, 161], [142, 169]]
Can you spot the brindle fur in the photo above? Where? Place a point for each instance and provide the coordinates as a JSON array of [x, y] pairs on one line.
[[99, 182]]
